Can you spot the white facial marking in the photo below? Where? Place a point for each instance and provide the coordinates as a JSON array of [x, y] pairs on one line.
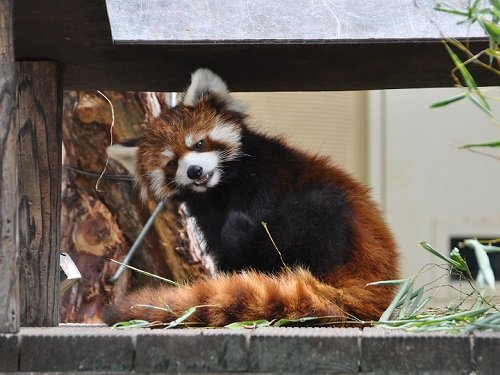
[[157, 179], [189, 141], [206, 160], [228, 134], [126, 156], [168, 153]]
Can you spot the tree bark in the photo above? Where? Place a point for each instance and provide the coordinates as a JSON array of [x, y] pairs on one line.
[[9, 277], [101, 222]]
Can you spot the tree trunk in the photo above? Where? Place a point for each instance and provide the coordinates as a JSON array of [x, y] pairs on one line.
[[101, 218]]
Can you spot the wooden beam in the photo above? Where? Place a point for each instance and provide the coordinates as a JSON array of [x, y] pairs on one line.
[[9, 280], [77, 34], [39, 156]]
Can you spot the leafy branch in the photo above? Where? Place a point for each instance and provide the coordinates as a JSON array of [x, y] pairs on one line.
[[487, 17]]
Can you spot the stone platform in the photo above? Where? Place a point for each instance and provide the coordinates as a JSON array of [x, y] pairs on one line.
[[101, 350]]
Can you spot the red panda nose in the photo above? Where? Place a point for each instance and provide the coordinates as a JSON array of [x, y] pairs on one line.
[[194, 172]]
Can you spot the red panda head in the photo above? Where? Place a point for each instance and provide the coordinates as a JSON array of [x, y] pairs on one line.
[[187, 146]]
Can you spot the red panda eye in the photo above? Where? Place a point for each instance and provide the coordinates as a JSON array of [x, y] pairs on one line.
[[199, 145], [172, 164]]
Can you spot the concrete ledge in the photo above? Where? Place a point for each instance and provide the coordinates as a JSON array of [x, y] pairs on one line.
[[99, 350], [486, 349], [9, 352], [191, 351], [303, 350], [386, 352], [75, 349]]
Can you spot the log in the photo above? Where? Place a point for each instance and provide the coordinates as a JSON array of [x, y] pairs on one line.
[[101, 222], [9, 278], [39, 207]]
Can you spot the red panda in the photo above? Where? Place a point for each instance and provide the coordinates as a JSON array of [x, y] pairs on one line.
[[329, 237]]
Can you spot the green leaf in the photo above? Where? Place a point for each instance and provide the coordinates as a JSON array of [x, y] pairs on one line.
[[146, 273], [433, 251], [488, 144], [131, 324], [467, 77], [464, 267], [496, 4], [481, 103], [287, 322], [483, 262], [492, 53], [416, 302], [249, 324], [396, 300], [440, 8], [492, 29], [182, 318], [152, 307], [405, 305], [474, 93], [445, 102], [491, 249], [421, 306]]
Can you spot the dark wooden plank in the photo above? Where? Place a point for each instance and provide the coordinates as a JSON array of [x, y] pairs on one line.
[[39, 157], [77, 34], [9, 280]]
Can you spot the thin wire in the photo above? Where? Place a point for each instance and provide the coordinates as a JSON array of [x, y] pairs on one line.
[[117, 177], [110, 140]]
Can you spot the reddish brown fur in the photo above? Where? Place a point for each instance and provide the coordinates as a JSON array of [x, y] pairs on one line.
[[251, 295], [291, 294]]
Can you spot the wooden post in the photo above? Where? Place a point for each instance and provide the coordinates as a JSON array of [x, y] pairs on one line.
[[39, 121], [9, 279]]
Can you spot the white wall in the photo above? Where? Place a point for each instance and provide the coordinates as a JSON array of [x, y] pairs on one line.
[[428, 188]]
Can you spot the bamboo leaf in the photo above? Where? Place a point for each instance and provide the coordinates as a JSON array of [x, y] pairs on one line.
[[488, 144], [152, 307], [421, 306], [146, 273], [182, 318], [430, 249], [405, 306], [416, 302], [464, 267], [131, 324], [249, 324], [440, 8], [495, 3], [287, 322], [447, 101], [467, 77], [492, 29], [491, 249], [481, 103], [474, 93], [483, 262], [399, 296]]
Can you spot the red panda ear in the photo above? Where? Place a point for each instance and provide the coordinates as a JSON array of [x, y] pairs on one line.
[[125, 155], [206, 84]]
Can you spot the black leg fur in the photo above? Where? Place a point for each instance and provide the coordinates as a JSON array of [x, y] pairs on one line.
[[311, 228]]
